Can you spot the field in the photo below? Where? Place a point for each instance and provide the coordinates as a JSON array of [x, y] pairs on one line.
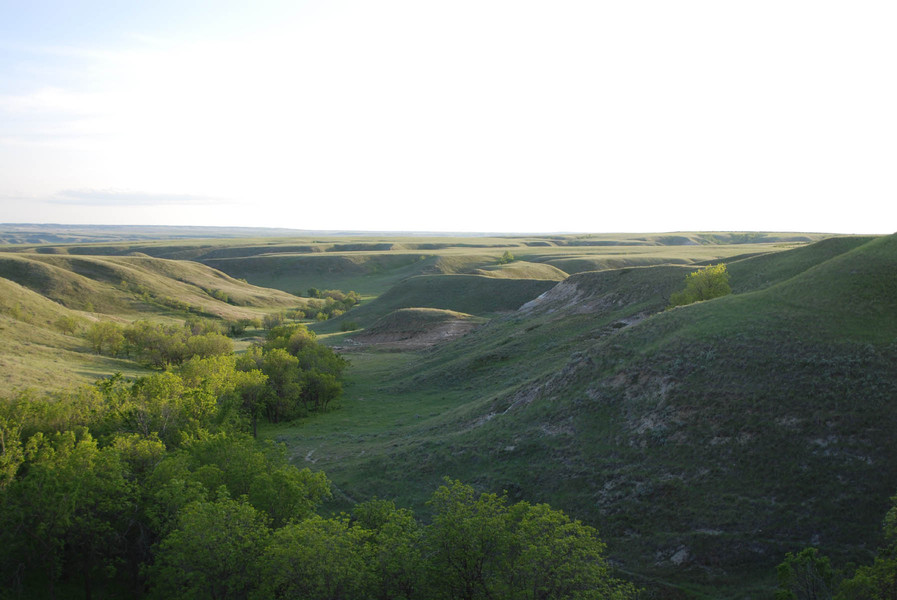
[[703, 441]]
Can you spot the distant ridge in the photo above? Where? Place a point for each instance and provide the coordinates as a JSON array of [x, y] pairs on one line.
[[61, 233], [57, 233]]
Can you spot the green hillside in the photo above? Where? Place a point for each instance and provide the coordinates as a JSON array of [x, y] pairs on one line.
[[472, 294], [38, 291], [372, 264], [703, 441], [116, 285]]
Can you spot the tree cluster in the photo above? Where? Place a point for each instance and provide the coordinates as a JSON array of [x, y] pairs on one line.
[[303, 376], [808, 575], [506, 258], [329, 304], [157, 345], [126, 489]]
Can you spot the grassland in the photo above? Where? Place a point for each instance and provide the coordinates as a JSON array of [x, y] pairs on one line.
[[38, 290], [704, 441]]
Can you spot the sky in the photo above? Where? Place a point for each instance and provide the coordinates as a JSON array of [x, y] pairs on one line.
[[455, 115]]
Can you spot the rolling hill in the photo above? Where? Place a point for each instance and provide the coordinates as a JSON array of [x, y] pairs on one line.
[[703, 441], [38, 290]]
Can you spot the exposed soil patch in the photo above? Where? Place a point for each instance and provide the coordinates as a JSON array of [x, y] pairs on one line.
[[415, 329]]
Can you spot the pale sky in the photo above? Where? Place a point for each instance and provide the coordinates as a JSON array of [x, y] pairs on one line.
[[514, 116]]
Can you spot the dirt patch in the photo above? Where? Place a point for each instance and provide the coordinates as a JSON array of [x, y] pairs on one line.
[[417, 339]]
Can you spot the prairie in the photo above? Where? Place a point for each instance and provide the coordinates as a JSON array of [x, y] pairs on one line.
[[703, 441]]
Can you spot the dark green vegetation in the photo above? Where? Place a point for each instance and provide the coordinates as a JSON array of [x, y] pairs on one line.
[[152, 487], [705, 441], [808, 575]]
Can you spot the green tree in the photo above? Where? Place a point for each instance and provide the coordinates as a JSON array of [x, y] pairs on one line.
[[104, 335], [705, 284], [214, 552], [12, 453], [284, 380], [272, 320], [68, 324], [396, 542], [258, 473], [67, 509], [506, 258], [483, 548], [554, 557], [316, 559], [320, 389], [805, 576], [877, 581]]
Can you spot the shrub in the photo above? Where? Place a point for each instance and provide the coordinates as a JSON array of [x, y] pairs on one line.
[[348, 326], [710, 282]]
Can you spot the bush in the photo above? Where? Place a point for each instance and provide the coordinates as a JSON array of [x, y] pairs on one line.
[[506, 258], [272, 320], [708, 283], [348, 326]]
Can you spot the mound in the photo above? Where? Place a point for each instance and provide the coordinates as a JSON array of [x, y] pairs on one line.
[[523, 270], [120, 285], [415, 328], [59, 284], [471, 294]]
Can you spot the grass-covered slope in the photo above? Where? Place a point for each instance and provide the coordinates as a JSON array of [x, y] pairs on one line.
[[703, 441], [38, 292], [124, 285], [523, 270], [372, 264], [471, 294], [35, 353], [368, 274]]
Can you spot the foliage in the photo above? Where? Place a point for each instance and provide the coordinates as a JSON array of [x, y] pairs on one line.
[[68, 510], [105, 336], [710, 282], [805, 576], [506, 258], [877, 581], [272, 320], [316, 558], [158, 345], [213, 552], [68, 324], [349, 326], [484, 548], [165, 505]]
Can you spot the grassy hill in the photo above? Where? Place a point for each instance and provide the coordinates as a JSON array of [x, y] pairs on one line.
[[372, 264], [704, 441], [472, 294], [38, 290], [119, 285]]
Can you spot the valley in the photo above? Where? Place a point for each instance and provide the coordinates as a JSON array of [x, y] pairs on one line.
[[703, 441]]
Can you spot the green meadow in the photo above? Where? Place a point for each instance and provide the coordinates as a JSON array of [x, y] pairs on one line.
[[704, 441]]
